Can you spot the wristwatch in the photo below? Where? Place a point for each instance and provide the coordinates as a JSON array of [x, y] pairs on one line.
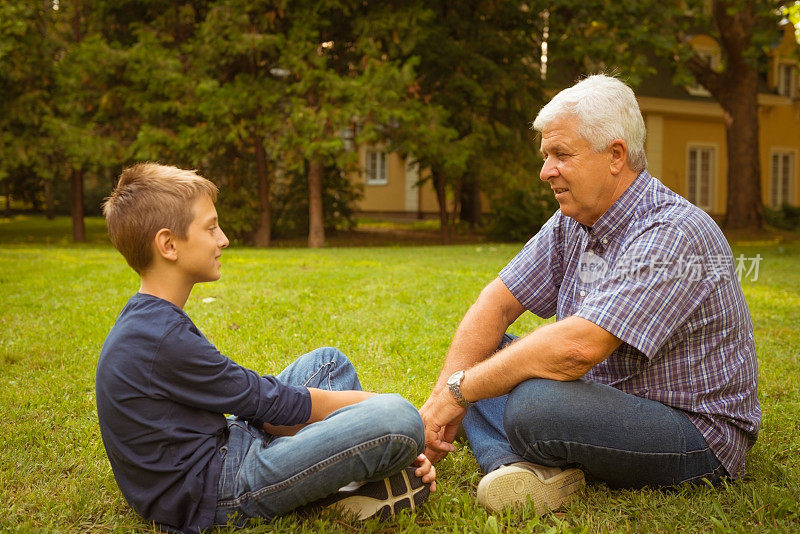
[[454, 385]]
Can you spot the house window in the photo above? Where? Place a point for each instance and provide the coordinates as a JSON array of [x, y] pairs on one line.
[[785, 86], [711, 58], [782, 172], [376, 167], [701, 176]]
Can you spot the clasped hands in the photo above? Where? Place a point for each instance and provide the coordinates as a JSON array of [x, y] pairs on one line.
[[441, 415]]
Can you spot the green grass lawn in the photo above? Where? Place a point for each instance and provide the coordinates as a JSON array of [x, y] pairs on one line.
[[392, 310]]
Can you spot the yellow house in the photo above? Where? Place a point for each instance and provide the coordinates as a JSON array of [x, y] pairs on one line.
[[391, 185], [686, 147]]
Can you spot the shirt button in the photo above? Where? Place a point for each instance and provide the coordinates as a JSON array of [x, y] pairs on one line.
[[605, 241], [583, 293]]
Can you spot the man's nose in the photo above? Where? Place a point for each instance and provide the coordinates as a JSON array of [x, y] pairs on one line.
[[549, 170]]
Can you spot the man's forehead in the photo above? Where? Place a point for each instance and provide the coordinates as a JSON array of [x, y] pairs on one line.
[[562, 131], [557, 139]]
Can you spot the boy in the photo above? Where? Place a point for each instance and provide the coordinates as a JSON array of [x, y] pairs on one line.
[[162, 389]]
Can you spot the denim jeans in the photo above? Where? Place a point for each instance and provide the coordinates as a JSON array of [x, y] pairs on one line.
[[617, 438], [268, 476]]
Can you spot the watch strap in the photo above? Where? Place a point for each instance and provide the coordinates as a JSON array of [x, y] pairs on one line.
[[454, 385]]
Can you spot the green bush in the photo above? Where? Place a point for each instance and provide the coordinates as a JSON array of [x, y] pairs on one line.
[[519, 212], [784, 218], [238, 213], [239, 207]]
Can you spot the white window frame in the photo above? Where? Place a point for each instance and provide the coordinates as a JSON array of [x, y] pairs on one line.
[[695, 196], [786, 79], [376, 166], [782, 193]]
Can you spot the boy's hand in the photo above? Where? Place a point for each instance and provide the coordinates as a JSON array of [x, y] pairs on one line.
[[426, 471]]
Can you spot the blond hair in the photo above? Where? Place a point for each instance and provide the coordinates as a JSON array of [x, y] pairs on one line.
[[147, 198]]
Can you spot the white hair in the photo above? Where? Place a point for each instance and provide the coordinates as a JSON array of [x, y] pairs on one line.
[[606, 109]]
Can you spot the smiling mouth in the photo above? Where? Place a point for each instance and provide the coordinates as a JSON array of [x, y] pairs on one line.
[[559, 190]]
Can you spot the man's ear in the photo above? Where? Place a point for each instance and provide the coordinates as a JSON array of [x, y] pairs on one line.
[[165, 244], [619, 155]]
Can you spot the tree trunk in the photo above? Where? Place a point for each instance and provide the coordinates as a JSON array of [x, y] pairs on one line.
[[736, 90], [76, 194], [439, 186], [8, 198], [456, 208], [744, 207], [49, 201], [263, 234], [471, 203], [739, 98], [316, 228]]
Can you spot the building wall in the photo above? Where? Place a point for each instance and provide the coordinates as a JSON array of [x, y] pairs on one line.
[[399, 195], [673, 126], [779, 130]]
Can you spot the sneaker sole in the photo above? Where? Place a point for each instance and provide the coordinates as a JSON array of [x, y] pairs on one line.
[[387, 497], [512, 486]]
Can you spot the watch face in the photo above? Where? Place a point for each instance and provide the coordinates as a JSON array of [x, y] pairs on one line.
[[455, 378]]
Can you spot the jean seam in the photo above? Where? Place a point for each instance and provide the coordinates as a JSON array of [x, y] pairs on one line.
[[332, 364], [714, 473], [528, 449], [314, 468]]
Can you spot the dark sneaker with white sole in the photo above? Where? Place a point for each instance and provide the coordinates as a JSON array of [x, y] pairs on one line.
[[382, 498]]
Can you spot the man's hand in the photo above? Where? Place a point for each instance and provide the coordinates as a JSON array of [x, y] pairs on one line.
[[441, 415], [426, 471]]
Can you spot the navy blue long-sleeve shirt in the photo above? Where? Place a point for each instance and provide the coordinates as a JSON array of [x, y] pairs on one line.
[[161, 390]]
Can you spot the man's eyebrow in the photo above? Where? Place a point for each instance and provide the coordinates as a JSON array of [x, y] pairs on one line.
[[555, 147]]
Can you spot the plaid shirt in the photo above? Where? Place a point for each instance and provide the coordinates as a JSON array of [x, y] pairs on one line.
[[656, 272]]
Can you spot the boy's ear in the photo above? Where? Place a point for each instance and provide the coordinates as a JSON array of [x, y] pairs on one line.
[[165, 244]]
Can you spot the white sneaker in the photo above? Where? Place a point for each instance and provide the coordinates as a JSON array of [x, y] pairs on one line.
[[512, 485]]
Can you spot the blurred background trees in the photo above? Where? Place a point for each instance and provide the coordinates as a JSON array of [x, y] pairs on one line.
[[269, 98]]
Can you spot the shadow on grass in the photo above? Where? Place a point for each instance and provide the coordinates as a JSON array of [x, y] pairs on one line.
[[37, 229], [29, 229]]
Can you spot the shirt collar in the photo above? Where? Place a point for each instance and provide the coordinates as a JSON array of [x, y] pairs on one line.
[[620, 211]]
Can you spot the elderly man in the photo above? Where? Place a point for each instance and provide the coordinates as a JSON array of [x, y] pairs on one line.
[[648, 375]]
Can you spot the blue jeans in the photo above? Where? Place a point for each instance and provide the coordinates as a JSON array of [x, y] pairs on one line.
[[268, 476], [617, 438]]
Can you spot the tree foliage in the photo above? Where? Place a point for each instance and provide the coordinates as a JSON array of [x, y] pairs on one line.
[[638, 38], [270, 97], [478, 83]]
